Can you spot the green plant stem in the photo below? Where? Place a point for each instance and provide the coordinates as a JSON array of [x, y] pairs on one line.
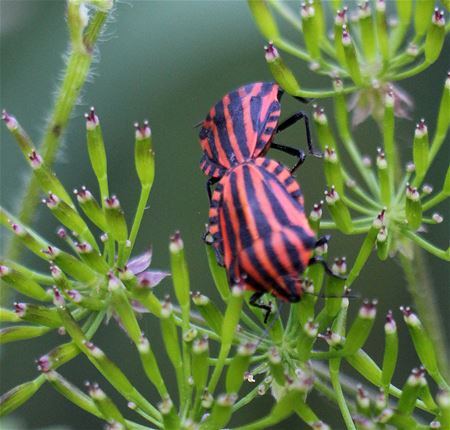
[[334, 377], [410, 72], [286, 12], [435, 200], [143, 199], [77, 70], [441, 253], [358, 207], [349, 144], [364, 196], [420, 287]]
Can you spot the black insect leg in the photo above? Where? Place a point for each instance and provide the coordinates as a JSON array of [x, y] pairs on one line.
[[209, 183], [303, 99], [319, 260], [209, 240], [298, 116], [300, 99], [322, 240], [254, 301], [291, 151]]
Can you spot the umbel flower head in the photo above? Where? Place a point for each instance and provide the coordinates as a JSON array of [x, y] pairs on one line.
[[367, 48]]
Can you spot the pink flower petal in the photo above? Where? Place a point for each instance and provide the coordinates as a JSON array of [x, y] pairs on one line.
[[152, 278], [140, 263]]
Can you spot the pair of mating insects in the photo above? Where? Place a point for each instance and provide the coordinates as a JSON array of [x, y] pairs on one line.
[[257, 222]]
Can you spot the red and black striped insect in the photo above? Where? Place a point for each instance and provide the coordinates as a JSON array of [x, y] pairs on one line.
[[241, 127], [257, 223]]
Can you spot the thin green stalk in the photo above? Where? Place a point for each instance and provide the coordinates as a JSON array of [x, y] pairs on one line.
[[349, 144], [286, 13], [143, 199], [364, 196], [410, 72], [420, 287], [441, 253], [77, 71], [435, 200], [334, 378], [357, 207]]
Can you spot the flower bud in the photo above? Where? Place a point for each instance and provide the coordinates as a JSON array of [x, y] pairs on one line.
[[180, 273], [382, 31], [115, 219], [276, 366], [383, 243], [238, 367], [281, 73], [310, 27], [38, 314], [143, 155], [23, 284], [421, 150], [105, 405], [366, 25], [443, 121], [209, 311], [96, 150], [413, 207], [88, 302], [443, 400], [435, 36], [361, 328], [410, 392], [18, 395], [422, 341], [390, 351], [306, 340], [320, 425], [383, 176], [92, 257], [90, 207], [69, 217], [150, 365], [20, 332], [169, 414], [350, 56], [333, 339], [207, 399], [339, 211], [123, 308], [200, 368], [333, 171], [170, 338], [339, 22], [315, 216], [221, 411], [362, 401]]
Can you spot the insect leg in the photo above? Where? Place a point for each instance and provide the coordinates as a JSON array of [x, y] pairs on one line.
[[209, 183], [298, 116], [291, 151], [254, 301], [319, 260]]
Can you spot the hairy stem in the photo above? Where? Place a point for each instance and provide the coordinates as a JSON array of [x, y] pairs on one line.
[[77, 70]]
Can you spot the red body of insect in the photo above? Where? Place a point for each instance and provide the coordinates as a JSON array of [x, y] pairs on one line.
[[258, 224], [239, 127]]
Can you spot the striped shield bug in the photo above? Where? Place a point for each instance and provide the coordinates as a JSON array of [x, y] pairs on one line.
[[241, 127], [257, 223]]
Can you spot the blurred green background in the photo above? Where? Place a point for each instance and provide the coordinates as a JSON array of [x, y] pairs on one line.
[[169, 62]]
